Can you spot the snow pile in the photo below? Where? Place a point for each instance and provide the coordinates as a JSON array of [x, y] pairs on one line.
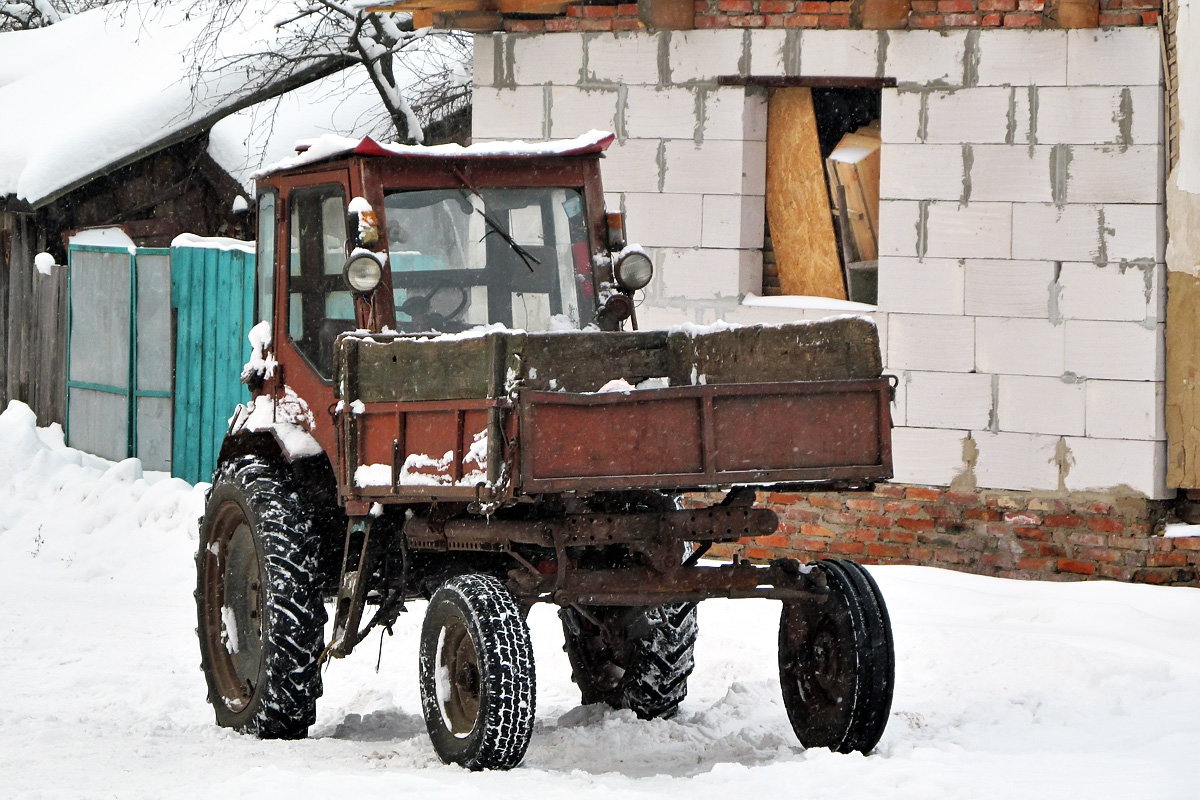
[[82, 510], [1005, 689]]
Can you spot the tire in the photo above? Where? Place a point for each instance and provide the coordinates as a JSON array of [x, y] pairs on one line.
[[837, 662], [257, 569], [639, 658], [476, 674]]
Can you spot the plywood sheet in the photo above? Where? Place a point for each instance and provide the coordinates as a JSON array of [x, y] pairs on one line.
[[1183, 381], [798, 200]]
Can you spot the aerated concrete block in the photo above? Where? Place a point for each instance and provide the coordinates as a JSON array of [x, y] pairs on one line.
[[1125, 410], [1017, 173], [1013, 346], [575, 111], [1100, 57], [927, 455], [921, 172], [948, 399], [703, 55], [509, 113], [1115, 350], [1022, 58], [621, 58], [914, 286], [851, 54], [541, 59], [1040, 405], [931, 342], [974, 230], [663, 220], [1018, 461], [652, 113], [974, 116], [1118, 464], [927, 58], [1003, 288]]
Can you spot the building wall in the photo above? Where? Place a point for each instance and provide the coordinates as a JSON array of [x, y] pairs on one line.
[[1022, 224]]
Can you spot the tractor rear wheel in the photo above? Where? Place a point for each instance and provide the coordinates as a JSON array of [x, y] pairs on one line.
[[837, 662], [636, 658], [258, 601]]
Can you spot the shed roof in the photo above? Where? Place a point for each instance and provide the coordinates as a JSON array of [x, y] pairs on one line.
[[106, 87]]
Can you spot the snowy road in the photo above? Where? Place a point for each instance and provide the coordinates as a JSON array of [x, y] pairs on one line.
[[1004, 689]]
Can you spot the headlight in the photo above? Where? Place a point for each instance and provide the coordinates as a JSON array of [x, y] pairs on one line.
[[363, 272], [634, 271]]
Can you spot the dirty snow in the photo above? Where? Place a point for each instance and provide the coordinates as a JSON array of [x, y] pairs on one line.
[[1005, 689]]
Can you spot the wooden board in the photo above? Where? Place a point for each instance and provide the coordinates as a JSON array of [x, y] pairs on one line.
[[1183, 381], [854, 166], [798, 207]]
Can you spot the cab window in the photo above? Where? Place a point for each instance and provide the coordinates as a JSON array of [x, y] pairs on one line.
[[517, 257], [319, 304], [265, 258]]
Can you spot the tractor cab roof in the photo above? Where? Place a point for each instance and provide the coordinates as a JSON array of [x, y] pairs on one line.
[[327, 147]]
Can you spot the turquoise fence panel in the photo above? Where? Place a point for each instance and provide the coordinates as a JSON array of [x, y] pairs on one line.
[[213, 296]]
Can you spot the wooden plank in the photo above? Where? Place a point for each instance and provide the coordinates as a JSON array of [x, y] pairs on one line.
[[798, 199], [854, 165], [1183, 381]]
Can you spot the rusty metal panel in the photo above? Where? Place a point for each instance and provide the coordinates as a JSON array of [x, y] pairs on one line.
[[806, 430], [563, 437], [703, 436]]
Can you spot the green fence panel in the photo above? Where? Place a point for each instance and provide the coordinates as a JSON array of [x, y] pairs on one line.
[[213, 296], [118, 353]]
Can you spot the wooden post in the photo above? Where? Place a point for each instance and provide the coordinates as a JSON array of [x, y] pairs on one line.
[[1073, 13], [880, 14], [667, 15]]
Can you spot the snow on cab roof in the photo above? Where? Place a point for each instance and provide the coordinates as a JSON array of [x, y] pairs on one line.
[[329, 146]]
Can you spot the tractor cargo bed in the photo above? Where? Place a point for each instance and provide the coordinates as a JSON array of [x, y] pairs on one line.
[[519, 414]]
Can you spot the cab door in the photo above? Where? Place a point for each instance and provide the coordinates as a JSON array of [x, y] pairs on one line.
[[313, 304]]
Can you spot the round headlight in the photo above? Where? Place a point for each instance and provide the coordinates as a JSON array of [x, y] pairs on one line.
[[363, 272], [634, 271]]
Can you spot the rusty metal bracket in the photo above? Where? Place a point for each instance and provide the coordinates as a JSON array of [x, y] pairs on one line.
[[352, 590]]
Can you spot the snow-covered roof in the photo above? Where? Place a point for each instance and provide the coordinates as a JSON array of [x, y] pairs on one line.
[[107, 86], [329, 146]]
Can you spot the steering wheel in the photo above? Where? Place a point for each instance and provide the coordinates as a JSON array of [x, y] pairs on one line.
[[420, 307]]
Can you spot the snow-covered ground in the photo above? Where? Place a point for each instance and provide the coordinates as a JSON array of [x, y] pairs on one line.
[[1004, 689]]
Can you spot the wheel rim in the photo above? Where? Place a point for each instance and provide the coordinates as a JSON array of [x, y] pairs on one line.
[[458, 677], [233, 608], [816, 648]]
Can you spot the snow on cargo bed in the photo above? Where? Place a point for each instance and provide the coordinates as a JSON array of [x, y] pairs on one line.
[[841, 348], [1004, 689]]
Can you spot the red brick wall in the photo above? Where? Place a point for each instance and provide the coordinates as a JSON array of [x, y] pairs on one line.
[[1008, 534], [836, 14]]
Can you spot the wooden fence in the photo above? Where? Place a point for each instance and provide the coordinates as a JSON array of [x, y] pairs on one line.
[[33, 325]]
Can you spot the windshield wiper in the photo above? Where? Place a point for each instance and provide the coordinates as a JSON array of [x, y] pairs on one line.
[[529, 258], [525, 255]]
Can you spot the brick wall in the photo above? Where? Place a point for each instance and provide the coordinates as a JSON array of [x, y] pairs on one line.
[[835, 14], [1007, 534]]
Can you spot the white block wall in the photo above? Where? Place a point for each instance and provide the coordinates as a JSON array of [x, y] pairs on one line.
[[1022, 289]]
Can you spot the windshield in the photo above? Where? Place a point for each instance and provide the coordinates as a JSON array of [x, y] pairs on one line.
[[517, 257]]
